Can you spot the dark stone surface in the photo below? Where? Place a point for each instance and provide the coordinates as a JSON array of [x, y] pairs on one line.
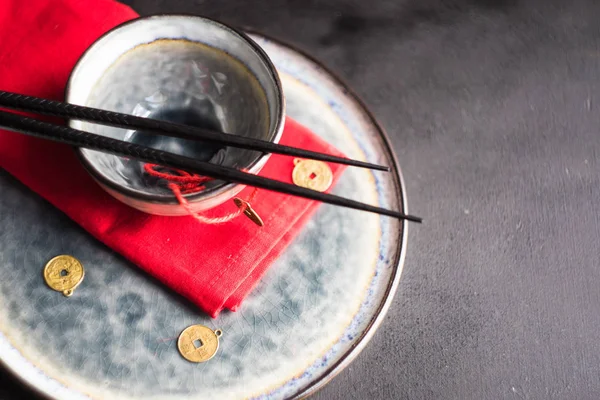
[[492, 109]]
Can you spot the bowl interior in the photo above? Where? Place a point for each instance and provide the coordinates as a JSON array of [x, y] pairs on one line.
[[182, 69]]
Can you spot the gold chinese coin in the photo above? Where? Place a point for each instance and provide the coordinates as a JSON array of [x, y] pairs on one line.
[[63, 274], [249, 211], [312, 174], [198, 343]]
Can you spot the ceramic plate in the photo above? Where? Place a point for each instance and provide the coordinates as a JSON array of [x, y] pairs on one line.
[[312, 313]]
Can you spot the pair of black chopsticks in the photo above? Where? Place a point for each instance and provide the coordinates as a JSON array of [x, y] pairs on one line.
[[64, 134]]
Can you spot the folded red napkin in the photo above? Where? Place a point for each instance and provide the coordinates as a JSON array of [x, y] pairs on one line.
[[215, 266]]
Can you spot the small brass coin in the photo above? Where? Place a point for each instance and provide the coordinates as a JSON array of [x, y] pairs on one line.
[[312, 174], [63, 274], [198, 343], [249, 211]]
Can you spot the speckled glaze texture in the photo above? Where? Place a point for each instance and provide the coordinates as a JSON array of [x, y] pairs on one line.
[[171, 79], [116, 337]]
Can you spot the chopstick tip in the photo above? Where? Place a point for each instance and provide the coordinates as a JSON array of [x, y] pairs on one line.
[[412, 218], [383, 168]]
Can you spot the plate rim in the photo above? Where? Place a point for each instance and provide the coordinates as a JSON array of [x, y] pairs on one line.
[[399, 258]]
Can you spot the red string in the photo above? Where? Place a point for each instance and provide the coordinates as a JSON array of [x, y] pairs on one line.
[[185, 181], [182, 182]]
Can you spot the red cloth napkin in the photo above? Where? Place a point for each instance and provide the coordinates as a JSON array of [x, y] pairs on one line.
[[215, 266]]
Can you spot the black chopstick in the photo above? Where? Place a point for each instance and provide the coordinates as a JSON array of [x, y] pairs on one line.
[[38, 105], [89, 140]]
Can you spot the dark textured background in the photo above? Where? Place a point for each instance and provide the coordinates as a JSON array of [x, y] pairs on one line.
[[492, 107]]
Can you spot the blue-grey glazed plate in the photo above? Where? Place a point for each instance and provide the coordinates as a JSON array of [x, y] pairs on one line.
[[316, 308]]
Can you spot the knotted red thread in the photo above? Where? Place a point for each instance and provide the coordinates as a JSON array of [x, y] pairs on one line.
[[182, 182], [185, 181]]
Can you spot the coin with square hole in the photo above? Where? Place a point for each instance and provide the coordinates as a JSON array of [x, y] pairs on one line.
[[198, 343], [64, 273], [312, 174]]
